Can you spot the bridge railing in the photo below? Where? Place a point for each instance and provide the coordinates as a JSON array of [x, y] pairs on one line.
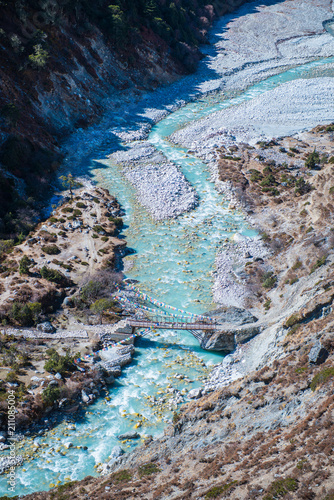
[[166, 319]]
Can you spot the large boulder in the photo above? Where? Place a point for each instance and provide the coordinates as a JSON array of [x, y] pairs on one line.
[[116, 452], [318, 354], [46, 327], [235, 315], [195, 393], [129, 435]]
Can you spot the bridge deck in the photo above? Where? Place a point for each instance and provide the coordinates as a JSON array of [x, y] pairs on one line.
[[172, 325]]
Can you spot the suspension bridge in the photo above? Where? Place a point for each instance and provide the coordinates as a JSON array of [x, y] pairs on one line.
[[210, 334]]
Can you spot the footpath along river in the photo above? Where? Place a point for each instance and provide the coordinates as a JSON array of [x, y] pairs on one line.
[[173, 262]]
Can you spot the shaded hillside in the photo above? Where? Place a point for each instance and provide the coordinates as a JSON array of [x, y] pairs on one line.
[[58, 63]]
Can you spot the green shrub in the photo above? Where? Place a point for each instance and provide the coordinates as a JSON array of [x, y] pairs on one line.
[[122, 476], [77, 212], [25, 264], [331, 189], [322, 377], [256, 175], [297, 265], [100, 306], [269, 280], [39, 58], [25, 314], [6, 246], [274, 192], [320, 262], [217, 491], [90, 291], [281, 487], [267, 304], [53, 275], [294, 329], [291, 321], [11, 377], [312, 159], [67, 210], [269, 180], [98, 229], [53, 220], [118, 221], [300, 370], [148, 469], [302, 186], [58, 363], [50, 395], [81, 205], [51, 249]]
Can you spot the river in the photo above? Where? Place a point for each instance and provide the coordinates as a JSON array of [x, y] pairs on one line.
[[173, 262]]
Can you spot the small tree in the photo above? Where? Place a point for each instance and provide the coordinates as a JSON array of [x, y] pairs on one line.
[[39, 58], [70, 183], [25, 264], [100, 306], [50, 395], [57, 363], [302, 186], [313, 159]]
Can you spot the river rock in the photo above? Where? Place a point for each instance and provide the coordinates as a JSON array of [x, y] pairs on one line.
[[3, 437], [129, 435], [84, 397], [58, 376], [116, 452], [195, 393], [318, 354], [67, 302], [46, 327], [109, 380]]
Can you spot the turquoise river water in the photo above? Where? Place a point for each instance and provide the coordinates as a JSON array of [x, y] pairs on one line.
[[173, 262]]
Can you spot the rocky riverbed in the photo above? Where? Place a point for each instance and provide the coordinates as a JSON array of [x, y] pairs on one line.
[[212, 430]]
